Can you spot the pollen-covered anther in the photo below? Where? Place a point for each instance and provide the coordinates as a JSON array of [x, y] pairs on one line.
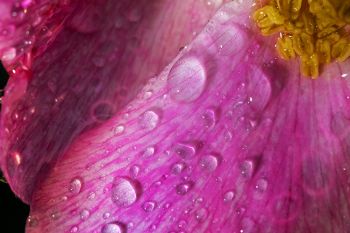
[[313, 30]]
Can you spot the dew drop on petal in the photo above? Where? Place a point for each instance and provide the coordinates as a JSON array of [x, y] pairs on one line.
[[186, 80], [185, 150], [184, 188], [201, 214], [210, 118], [75, 185], [247, 168], [149, 120], [261, 185], [74, 229], [149, 151], [119, 129], [148, 206], [84, 214], [113, 228], [106, 215], [178, 168], [125, 191], [134, 171], [228, 196], [210, 162]]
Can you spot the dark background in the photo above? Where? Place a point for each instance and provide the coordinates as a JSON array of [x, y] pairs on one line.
[[13, 212]]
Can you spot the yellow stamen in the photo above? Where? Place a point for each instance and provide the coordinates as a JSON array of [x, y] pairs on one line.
[[313, 30]]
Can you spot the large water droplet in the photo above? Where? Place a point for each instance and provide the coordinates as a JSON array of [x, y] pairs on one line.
[[184, 187], [149, 206], [149, 120], [125, 191], [113, 228], [75, 185], [210, 162], [185, 150], [186, 80]]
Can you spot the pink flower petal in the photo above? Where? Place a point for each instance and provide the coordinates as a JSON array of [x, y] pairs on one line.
[[227, 138], [74, 64]]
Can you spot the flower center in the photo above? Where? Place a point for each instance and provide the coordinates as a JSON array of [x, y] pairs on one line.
[[316, 31]]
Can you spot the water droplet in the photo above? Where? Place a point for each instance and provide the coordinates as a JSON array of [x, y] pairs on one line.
[[75, 185], [32, 222], [210, 117], [113, 228], [125, 191], [186, 80], [184, 187], [54, 215], [178, 168], [247, 168], [74, 229], [149, 151], [149, 120], [8, 55], [228, 196], [84, 214], [185, 150], [149, 206], [106, 215], [261, 185], [102, 111], [232, 36], [210, 162], [201, 214], [134, 171], [119, 129]]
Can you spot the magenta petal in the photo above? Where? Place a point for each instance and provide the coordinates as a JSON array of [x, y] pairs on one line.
[[226, 139], [74, 64]]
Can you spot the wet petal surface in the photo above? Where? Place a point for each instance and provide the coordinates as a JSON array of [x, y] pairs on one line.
[[73, 65], [252, 147]]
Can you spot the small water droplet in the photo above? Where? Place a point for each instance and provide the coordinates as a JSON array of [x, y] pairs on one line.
[[54, 215], [261, 185], [186, 80], [114, 227], [32, 222], [119, 129], [185, 150], [210, 117], [178, 168], [134, 171], [149, 120], [247, 168], [84, 214], [184, 187], [125, 191], [228, 196], [149, 206], [74, 229], [102, 111], [106, 215], [201, 214], [210, 162], [149, 151], [75, 185]]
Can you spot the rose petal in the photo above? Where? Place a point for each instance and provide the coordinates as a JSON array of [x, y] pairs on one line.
[[84, 61]]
